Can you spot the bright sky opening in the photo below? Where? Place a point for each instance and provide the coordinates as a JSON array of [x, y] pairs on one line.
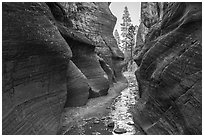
[[117, 8]]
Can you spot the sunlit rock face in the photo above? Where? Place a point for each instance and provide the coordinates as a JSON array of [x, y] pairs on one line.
[[169, 74], [49, 64]]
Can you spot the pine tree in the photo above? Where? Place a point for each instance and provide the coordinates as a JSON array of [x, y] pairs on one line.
[[124, 27], [131, 41], [117, 37]]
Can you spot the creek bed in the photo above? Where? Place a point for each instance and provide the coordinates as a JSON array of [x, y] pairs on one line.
[[120, 110], [106, 115]]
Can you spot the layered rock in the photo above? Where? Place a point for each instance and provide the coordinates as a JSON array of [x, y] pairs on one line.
[[151, 14], [88, 31], [49, 63], [99, 16], [35, 58], [169, 74], [77, 87], [141, 33]]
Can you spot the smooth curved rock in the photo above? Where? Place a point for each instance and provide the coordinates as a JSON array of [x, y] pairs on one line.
[[169, 75], [88, 32], [95, 22], [38, 76], [120, 130], [35, 58], [86, 60], [91, 68], [108, 70], [151, 16], [77, 87]]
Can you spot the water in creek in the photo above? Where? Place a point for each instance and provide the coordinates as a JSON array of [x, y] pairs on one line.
[[113, 118], [120, 112]]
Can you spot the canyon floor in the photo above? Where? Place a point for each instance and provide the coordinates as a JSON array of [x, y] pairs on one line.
[[105, 115]]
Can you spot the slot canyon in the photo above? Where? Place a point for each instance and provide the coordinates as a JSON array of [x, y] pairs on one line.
[[62, 70]]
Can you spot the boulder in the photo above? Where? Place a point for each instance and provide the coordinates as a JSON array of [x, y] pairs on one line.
[[120, 130]]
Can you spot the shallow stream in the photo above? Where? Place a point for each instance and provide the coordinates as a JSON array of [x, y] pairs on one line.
[[120, 111], [106, 115]]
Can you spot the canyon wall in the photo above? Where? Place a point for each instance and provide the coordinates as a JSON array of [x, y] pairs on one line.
[[170, 69], [55, 55]]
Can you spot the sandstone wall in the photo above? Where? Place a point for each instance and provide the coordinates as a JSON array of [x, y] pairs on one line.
[[169, 74], [96, 23], [51, 60]]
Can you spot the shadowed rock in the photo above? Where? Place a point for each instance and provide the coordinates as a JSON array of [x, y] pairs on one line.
[[108, 70], [86, 60], [38, 76], [169, 75], [35, 58], [120, 130], [88, 31], [77, 87], [95, 22]]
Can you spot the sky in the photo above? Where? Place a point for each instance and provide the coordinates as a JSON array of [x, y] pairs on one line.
[[117, 9]]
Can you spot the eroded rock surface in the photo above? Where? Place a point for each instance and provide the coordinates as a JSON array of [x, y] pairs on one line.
[[50, 61], [77, 87], [89, 34], [169, 74], [35, 58]]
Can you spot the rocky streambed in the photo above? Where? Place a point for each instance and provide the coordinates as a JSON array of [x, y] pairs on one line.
[[110, 116], [120, 112]]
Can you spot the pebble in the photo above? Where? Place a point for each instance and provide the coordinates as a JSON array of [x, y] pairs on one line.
[[120, 130], [96, 121], [96, 133], [130, 123], [109, 117], [103, 118], [110, 124]]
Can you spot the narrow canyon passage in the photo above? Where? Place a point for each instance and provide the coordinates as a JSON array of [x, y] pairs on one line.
[[67, 68], [105, 115], [120, 112]]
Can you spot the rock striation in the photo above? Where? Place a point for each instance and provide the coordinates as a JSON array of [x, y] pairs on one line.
[[89, 35], [170, 68], [55, 55]]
